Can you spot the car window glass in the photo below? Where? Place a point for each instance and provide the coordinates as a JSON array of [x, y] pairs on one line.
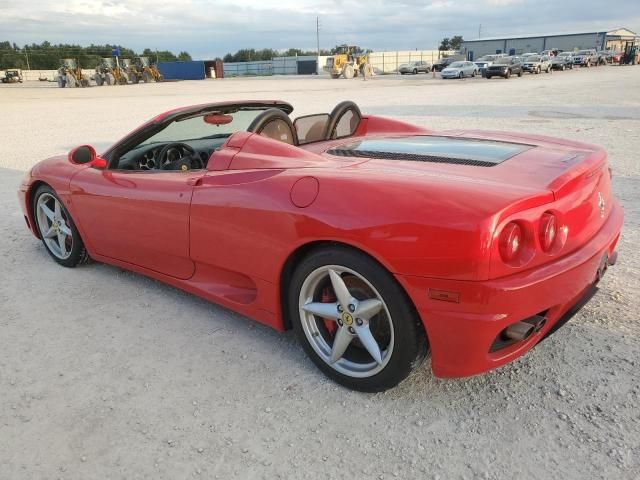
[[311, 128], [196, 128]]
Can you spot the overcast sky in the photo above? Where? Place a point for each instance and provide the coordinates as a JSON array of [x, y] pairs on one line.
[[208, 28]]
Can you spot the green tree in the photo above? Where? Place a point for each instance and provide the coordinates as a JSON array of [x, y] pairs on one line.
[[445, 44], [456, 42]]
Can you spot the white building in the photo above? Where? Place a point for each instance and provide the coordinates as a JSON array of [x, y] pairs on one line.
[[603, 40]]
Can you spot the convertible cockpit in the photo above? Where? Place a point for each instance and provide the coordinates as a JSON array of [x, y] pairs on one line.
[[186, 140]]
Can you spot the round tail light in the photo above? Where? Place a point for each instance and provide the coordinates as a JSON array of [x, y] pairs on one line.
[[548, 231], [510, 241]]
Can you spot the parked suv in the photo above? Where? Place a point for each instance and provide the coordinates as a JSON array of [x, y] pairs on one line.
[[415, 67], [486, 61], [537, 64], [505, 67], [586, 58], [563, 61]]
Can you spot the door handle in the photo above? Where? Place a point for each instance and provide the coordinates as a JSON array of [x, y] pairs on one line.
[[194, 181]]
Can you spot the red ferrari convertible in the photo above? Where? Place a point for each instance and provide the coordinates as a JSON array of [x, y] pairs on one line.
[[377, 241]]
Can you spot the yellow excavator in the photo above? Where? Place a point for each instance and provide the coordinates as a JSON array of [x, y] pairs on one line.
[[70, 74], [349, 61]]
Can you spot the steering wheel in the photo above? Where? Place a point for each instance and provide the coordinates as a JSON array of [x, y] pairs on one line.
[[179, 156]]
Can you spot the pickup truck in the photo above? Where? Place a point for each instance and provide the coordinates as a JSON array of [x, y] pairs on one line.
[[586, 58]]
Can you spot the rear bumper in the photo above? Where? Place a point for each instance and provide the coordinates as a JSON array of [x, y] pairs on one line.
[[462, 334]]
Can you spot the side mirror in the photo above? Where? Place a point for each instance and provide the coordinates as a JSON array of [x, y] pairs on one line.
[[86, 154]]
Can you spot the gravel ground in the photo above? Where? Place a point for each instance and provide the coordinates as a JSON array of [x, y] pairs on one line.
[[107, 374]]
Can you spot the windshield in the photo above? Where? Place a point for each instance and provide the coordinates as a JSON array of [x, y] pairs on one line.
[[457, 65], [195, 128], [584, 52], [533, 58], [503, 61], [565, 54], [486, 58]]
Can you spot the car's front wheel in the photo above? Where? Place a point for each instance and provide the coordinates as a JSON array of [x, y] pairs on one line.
[[354, 320], [57, 229]]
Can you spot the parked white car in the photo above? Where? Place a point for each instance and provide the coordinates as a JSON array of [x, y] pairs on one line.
[[460, 70]]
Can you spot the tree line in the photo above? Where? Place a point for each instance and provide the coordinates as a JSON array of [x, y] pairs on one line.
[[45, 56]]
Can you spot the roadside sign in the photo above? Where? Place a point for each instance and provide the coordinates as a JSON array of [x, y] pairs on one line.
[[115, 52]]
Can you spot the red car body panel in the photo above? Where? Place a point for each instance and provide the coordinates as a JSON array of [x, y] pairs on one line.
[[228, 233]]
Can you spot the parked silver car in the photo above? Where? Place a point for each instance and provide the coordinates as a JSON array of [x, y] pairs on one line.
[[536, 64], [460, 70], [415, 67]]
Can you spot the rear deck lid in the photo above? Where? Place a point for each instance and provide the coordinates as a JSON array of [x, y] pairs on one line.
[[433, 149]]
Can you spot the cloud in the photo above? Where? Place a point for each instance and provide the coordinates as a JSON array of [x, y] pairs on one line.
[[207, 28]]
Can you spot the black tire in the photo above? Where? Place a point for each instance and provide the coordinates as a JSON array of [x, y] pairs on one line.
[[520, 73], [461, 75], [487, 76], [79, 253], [410, 342], [508, 74], [415, 71]]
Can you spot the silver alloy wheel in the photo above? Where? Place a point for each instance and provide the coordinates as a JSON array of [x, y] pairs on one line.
[[54, 226], [356, 317]]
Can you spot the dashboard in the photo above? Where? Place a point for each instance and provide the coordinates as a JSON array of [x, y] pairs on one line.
[[146, 157]]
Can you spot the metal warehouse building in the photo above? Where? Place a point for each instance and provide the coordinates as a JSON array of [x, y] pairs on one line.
[[604, 40]]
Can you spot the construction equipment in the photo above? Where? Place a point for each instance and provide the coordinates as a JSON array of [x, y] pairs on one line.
[[12, 76], [348, 62], [110, 72], [146, 71], [631, 54], [70, 74]]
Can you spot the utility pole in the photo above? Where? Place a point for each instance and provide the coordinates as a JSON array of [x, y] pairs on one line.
[[26, 54], [479, 30], [318, 35]]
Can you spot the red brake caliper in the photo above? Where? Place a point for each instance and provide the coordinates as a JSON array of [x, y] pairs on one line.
[[328, 297]]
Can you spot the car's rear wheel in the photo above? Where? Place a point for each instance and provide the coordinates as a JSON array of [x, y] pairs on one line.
[[486, 75], [519, 73], [354, 320], [415, 71], [508, 74], [57, 229]]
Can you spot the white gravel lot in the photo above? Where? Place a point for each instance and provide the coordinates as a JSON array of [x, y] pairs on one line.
[[107, 374]]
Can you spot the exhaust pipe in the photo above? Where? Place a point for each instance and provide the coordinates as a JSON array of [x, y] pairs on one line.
[[519, 331], [523, 330]]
